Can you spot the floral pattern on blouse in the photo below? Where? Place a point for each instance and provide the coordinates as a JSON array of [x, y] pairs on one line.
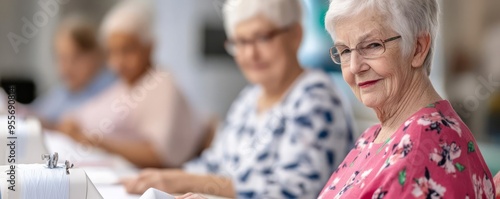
[[288, 151], [432, 155]]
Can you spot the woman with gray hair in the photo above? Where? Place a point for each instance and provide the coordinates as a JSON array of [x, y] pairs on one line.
[[284, 134], [143, 117], [421, 148]]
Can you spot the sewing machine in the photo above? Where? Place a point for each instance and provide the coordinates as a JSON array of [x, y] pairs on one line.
[[49, 180], [27, 166], [20, 155]]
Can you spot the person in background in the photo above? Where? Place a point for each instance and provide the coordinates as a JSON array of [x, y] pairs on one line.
[[80, 65], [421, 148], [143, 117], [284, 134]]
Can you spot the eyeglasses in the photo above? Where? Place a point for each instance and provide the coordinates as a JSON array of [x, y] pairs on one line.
[[234, 46], [369, 50]]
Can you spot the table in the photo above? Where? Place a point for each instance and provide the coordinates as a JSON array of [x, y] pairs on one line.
[[103, 169]]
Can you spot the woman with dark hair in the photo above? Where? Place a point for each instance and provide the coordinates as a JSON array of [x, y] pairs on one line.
[[80, 65]]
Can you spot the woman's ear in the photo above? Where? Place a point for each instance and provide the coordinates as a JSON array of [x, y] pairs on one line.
[[298, 33], [148, 49], [422, 48]]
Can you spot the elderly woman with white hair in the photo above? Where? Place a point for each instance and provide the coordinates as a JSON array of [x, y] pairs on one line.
[[143, 117], [284, 134], [421, 148]]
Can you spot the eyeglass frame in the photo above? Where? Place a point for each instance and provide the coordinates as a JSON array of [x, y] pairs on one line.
[[264, 38], [333, 48]]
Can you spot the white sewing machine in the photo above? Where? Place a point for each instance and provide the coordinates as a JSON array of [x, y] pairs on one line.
[[42, 182], [22, 160], [36, 172]]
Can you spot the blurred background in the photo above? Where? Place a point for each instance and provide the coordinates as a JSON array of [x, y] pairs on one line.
[[189, 44]]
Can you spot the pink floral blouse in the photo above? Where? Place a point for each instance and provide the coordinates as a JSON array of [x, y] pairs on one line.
[[432, 155]]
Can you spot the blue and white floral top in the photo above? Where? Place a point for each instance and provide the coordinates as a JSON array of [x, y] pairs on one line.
[[288, 151]]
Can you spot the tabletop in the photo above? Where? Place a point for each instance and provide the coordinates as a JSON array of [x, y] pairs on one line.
[[103, 169]]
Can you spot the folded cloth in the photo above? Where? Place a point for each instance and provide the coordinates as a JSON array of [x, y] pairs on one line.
[[153, 193]]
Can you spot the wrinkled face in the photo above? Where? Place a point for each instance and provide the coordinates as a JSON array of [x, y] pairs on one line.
[[263, 51], [128, 56], [76, 68], [374, 81]]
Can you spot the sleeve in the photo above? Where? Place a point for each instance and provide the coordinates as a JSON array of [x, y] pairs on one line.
[[439, 165], [314, 139], [48, 106], [169, 123], [211, 159]]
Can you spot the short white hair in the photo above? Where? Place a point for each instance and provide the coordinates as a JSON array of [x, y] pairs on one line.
[[409, 18], [131, 17], [281, 12]]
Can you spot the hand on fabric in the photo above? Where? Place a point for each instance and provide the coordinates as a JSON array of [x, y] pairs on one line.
[[73, 130], [190, 196], [167, 180]]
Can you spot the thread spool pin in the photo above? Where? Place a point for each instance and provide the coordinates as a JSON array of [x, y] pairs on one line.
[[68, 166], [51, 160]]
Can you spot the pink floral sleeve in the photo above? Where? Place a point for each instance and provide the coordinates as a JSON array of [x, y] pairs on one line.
[[432, 155], [434, 159]]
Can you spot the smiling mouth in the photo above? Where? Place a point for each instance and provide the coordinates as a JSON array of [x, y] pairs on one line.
[[368, 83], [258, 66]]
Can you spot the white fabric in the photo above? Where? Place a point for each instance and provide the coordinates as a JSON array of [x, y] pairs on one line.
[[153, 193]]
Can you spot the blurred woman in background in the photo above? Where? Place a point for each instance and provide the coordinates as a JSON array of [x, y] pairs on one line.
[[80, 65], [284, 134], [143, 117]]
